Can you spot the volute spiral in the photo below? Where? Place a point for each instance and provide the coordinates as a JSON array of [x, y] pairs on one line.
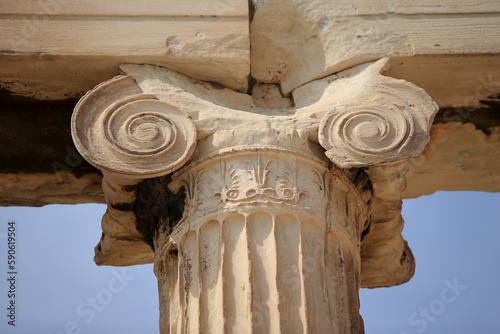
[[136, 135]]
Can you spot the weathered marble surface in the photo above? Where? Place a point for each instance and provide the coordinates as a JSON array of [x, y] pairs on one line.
[[229, 187]]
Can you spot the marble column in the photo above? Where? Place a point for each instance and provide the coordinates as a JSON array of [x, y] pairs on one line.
[[258, 209]]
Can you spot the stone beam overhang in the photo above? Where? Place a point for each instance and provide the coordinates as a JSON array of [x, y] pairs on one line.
[[210, 40], [54, 50], [327, 110], [316, 38]]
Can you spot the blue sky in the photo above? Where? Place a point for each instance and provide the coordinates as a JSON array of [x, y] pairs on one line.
[[453, 235]]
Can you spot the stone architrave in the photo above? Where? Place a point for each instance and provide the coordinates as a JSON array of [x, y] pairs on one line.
[[265, 215]]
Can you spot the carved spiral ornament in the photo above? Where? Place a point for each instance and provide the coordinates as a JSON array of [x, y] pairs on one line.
[[140, 128], [357, 135], [136, 136]]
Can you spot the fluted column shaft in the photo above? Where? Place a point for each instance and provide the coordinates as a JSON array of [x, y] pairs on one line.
[[269, 243]]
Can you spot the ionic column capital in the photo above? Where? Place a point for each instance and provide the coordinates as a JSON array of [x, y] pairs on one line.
[[151, 122], [146, 124]]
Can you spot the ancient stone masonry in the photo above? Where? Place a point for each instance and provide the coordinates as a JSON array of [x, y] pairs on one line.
[[289, 205]]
